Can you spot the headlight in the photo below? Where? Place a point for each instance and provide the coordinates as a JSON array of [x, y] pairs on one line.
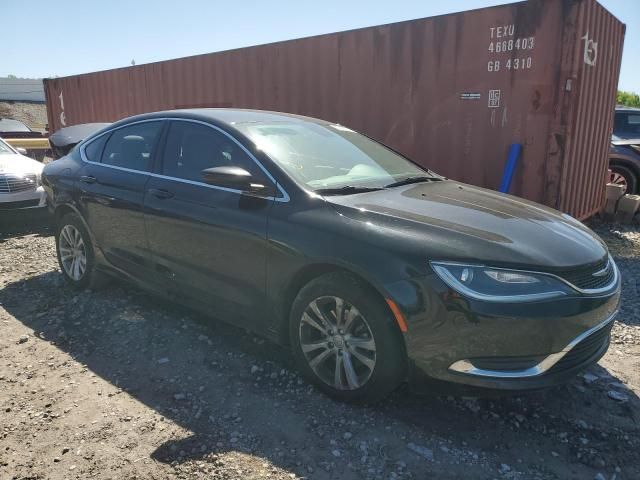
[[500, 285]]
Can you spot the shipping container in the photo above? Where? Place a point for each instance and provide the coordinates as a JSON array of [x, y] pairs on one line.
[[452, 92]]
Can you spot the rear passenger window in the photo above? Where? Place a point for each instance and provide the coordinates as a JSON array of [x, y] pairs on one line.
[[192, 147], [93, 151], [131, 147]]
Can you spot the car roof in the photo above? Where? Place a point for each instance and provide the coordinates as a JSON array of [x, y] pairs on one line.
[[227, 116], [627, 109]]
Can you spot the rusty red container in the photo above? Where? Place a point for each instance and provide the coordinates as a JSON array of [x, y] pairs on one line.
[[452, 92]]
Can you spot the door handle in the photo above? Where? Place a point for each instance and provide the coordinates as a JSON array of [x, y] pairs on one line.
[[88, 179], [160, 193]]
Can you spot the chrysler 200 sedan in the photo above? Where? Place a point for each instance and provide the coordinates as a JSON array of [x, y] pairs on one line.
[[372, 269]]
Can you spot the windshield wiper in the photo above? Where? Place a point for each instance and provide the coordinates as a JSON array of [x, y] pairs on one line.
[[345, 190], [410, 180]]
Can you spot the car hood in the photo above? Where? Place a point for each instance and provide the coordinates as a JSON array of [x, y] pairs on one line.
[[447, 220], [19, 164]]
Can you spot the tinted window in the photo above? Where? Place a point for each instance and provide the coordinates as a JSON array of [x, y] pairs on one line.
[[130, 147], [627, 125], [192, 147], [93, 151]]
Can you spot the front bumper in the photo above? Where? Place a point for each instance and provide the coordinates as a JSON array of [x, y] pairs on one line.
[[585, 349], [501, 346], [26, 199]]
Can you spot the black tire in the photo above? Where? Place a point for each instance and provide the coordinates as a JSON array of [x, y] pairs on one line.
[[630, 177], [390, 357], [91, 278], [39, 155]]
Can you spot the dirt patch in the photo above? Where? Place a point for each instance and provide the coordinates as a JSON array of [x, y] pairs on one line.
[[34, 115], [116, 384]]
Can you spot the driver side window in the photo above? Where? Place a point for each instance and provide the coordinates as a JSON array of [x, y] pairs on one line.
[[192, 147]]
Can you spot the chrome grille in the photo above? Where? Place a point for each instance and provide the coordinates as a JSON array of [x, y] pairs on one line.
[[585, 279], [11, 183], [594, 345]]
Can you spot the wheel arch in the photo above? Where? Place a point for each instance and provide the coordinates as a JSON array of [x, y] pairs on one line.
[[309, 273], [62, 210], [65, 208], [624, 161]]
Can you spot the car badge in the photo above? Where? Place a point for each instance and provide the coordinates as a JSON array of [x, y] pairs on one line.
[[603, 272]]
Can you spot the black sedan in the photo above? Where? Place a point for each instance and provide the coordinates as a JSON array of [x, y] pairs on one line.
[[374, 270]]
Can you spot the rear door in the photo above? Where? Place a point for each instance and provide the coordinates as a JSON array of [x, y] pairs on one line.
[[208, 242], [112, 185]]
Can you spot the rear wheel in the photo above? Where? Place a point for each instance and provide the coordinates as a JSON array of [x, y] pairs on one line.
[[345, 340], [622, 175], [75, 253]]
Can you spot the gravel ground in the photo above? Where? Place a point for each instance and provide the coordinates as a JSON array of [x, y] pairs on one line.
[[116, 384]]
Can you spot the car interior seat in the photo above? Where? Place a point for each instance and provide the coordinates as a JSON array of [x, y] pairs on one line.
[[134, 152]]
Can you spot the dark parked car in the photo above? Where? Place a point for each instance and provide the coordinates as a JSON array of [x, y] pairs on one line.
[[624, 156], [374, 270], [11, 128]]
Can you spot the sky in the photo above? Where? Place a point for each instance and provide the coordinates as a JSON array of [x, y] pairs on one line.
[[68, 37]]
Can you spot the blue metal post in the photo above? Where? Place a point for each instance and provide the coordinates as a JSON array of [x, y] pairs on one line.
[[510, 167]]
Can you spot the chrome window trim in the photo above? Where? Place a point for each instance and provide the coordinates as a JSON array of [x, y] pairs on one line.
[[284, 198], [467, 368], [519, 298]]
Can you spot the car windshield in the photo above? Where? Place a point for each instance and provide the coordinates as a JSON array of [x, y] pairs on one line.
[[10, 125], [329, 156], [5, 149]]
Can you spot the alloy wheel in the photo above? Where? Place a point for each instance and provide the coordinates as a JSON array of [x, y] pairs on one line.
[[73, 252], [618, 179], [337, 343]]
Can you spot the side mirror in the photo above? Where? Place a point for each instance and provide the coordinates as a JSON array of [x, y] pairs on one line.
[[237, 178], [21, 151]]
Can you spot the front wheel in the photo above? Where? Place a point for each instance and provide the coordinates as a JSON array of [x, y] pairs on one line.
[[622, 175], [345, 340]]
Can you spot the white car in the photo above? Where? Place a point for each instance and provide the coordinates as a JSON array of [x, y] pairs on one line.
[[20, 185]]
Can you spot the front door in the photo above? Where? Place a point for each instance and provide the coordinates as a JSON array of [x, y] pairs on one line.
[[208, 242]]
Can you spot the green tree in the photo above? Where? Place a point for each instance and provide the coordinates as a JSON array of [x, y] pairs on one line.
[[11, 76], [628, 99]]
